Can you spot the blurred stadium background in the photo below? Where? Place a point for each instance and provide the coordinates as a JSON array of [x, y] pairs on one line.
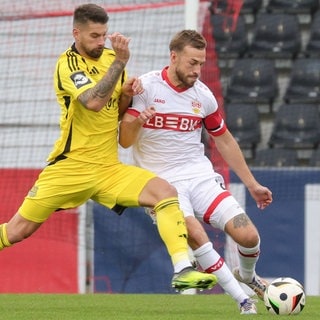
[[263, 65]]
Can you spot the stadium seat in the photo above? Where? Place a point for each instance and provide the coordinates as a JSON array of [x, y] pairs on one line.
[[304, 81], [246, 6], [293, 6], [313, 44], [244, 123], [315, 158], [251, 6], [275, 36], [276, 158], [252, 81], [296, 126], [230, 40], [225, 7]]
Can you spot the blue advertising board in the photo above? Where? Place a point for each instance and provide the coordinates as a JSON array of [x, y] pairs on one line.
[[130, 257]]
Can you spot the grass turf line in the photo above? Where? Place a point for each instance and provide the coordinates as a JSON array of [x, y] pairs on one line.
[[133, 307]]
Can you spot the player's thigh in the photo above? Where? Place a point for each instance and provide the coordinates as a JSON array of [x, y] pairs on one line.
[[196, 233], [184, 189], [212, 203], [63, 185], [122, 184], [156, 190]]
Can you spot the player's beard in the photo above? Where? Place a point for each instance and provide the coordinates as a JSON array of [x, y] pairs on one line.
[[95, 53], [186, 81]]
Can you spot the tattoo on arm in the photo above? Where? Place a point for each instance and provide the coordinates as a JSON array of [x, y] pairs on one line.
[[241, 220], [104, 88]]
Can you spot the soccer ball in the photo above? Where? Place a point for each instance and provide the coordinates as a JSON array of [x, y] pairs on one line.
[[284, 296]]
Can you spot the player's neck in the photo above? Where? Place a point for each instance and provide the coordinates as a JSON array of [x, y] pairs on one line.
[[173, 79]]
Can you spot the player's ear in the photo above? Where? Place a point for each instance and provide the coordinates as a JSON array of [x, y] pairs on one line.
[[75, 32], [173, 56]]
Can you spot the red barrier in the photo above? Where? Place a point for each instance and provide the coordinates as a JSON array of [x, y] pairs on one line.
[[47, 261]]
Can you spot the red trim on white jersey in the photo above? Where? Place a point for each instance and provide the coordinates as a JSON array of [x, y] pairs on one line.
[[164, 74], [133, 112]]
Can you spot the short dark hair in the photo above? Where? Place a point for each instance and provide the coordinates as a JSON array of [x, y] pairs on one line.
[[187, 38], [90, 12]]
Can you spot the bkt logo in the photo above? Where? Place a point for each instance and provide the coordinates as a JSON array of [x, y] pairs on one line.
[[174, 122]]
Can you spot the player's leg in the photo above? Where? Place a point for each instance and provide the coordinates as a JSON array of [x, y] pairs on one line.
[[160, 195], [53, 190], [195, 191], [241, 229], [137, 187], [244, 233], [4, 241], [210, 260], [172, 229], [27, 220], [15, 230], [220, 209], [230, 217]]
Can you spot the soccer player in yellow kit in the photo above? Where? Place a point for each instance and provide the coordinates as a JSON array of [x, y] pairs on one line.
[[93, 91]]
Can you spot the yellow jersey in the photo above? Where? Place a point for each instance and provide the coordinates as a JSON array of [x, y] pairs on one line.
[[85, 135]]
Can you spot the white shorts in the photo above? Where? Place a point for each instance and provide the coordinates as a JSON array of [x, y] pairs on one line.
[[207, 199]]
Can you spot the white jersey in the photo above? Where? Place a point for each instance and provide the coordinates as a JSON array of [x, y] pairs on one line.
[[170, 143]]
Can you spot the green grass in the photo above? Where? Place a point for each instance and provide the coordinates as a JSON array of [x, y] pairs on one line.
[[133, 307]]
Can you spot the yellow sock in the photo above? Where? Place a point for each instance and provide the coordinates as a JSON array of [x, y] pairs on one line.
[[4, 242], [172, 229]]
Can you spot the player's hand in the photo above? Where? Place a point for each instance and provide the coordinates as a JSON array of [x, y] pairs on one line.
[[262, 195], [132, 87], [152, 214], [120, 45], [147, 114]]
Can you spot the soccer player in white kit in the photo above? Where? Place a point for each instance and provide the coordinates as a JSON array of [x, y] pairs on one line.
[[164, 126]]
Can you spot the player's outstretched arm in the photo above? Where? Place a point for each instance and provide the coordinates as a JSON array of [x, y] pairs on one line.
[[232, 154]]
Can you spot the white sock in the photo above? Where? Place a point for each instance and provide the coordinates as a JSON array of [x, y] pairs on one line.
[[210, 261], [248, 258]]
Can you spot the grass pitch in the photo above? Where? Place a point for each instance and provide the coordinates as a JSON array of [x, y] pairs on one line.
[[133, 307]]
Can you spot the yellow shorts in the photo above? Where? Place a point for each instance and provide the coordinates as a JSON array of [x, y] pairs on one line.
[[69, 183]]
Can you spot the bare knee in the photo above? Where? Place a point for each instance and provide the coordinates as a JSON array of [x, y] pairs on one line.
[[19, 228], [250, 240], [157, 189], [243, 231], [165, 189]]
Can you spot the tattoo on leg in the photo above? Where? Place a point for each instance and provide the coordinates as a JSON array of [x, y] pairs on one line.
[[241, 220]]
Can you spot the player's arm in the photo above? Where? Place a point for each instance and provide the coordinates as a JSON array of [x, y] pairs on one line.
[[96, 97], [130, 88], [131, 125], [230, 151], [232, 154]]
